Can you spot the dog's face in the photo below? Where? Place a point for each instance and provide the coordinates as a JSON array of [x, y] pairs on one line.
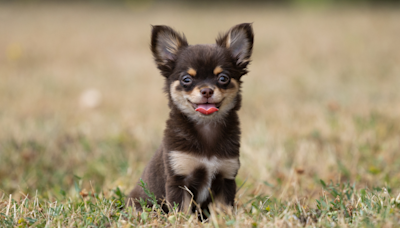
[[203, 81]]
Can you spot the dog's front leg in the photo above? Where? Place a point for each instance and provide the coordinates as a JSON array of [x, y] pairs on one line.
[[176, 193], [229, 191], [225, 195]]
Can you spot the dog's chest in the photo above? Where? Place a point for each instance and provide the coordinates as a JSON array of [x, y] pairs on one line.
[[186, 164]]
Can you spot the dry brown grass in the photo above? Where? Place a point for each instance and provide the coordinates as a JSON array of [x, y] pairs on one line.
[[321, 100]]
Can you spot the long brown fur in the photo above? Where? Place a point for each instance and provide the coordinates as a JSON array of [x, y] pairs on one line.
[[199, 153]]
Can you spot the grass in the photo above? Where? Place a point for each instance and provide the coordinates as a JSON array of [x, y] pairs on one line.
[[338, 205], [320, 117]]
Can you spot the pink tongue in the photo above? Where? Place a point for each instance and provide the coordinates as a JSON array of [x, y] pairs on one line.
[[206, 109]]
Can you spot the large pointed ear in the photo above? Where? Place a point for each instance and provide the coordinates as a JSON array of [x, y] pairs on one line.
[[165, 45], [239, 40]]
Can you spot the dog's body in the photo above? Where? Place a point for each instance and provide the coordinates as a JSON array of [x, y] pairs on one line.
[[199, 154]]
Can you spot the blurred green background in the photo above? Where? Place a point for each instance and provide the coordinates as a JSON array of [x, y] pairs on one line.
[[224, 1]]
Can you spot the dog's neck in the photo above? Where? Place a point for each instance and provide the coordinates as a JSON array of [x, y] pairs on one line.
[[213, 138], [210, 132]]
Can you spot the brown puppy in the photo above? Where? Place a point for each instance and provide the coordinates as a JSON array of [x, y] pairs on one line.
[[200, 149]]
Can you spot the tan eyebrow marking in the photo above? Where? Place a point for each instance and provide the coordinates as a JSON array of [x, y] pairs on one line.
[[217, 70], [192, 71]]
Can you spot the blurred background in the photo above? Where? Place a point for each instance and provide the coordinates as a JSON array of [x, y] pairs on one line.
[[81, 99]]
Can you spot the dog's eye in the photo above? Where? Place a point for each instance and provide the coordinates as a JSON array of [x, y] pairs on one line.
[[223, 79], [186, 80]]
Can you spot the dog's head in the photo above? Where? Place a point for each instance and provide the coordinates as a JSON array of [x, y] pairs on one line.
[[203, 81]]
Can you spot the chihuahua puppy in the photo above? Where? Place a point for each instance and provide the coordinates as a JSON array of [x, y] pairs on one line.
[[198, 159]]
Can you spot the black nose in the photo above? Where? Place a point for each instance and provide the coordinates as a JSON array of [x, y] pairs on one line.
[[207, 92]]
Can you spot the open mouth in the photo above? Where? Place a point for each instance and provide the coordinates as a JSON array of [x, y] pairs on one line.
[[206, 108]]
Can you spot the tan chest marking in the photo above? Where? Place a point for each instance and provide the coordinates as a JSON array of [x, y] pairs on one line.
[[184, 164]]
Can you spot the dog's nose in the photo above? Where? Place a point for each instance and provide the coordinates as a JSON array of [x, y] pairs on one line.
[[207, 92]]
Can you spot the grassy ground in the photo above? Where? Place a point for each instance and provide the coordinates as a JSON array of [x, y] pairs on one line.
[[82, 111]]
